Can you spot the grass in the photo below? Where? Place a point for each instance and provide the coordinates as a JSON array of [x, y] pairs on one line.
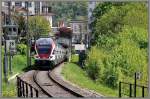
[[75, 74], [9, 90], [18, 64], [78, 76]]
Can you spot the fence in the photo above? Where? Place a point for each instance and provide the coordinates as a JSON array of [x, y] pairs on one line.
[[132, 90], [25, 90]]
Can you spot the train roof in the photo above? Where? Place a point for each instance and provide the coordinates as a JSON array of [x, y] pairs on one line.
[[45, 41]]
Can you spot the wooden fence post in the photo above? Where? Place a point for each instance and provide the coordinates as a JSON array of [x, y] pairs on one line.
[[142, 91], [130, 95], [26, 90], [120, 89], [36, 91], [31, 91]]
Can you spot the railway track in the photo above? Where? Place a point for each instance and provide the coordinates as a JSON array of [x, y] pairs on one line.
[[50, 87], [49, 84]]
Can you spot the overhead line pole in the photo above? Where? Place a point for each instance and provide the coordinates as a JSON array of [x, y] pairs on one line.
[[27, 31]]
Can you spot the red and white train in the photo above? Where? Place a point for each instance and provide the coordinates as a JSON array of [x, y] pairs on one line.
[[47, 50]]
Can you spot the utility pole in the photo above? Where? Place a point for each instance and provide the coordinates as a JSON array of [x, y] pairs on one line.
[[28, 39], [0, 42], [10, 58], [5, 63], [5, 50]]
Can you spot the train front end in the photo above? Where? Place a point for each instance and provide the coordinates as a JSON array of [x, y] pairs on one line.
[[44, 48]]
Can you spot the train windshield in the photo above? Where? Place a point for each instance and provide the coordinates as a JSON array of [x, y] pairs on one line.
[[43, 49]]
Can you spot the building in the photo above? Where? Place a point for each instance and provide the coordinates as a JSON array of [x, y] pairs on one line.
[[80, 34], [91, 6], [34, 7]]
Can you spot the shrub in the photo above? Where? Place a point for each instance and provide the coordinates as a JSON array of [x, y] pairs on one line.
[[82, 57], [22, 48], [94, 65], [65, 32], [110, 76], [93, 70]]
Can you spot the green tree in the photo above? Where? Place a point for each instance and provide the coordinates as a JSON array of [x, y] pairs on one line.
[[121, 37], [38, 26], [68, 10]]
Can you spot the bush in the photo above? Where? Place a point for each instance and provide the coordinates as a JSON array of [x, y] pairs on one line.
[[122, 39], [94, 65], [39, 26], [22, 48], [93, 70], [82, 57], [65, 32]]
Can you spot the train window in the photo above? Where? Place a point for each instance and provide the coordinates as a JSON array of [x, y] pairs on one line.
[[43, 50]]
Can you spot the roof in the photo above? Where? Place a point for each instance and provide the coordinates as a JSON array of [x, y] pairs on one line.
[[44, 41], [46, 14], [78, 21], [21, 9]]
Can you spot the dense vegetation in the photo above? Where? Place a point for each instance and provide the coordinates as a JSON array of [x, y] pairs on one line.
[[38, 25], [80, 78], [18, 66], [120, 43], [67, 11]]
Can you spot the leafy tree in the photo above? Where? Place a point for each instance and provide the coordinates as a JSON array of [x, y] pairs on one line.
[[121, 38], [38, 26], [110, 23], [94, 64], [65, 32], [68, 10]]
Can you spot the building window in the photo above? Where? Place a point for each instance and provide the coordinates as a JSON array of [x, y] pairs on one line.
[[49, 9], [91, 2], [28, 4], [75, 28], [18, 3], [7, 3], [37, 7], [90, 10], [91, 18]]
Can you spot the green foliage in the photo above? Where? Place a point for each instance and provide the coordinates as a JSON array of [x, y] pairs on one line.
[[80, 78], [109, 24], [82, 58], [68, 10], [94, 65], [107, 41], [74, 58], [93, 70], [65, 32], [9, 90], [22, 48], [121, 38], [133, 19], [38, 25], [20, 20]]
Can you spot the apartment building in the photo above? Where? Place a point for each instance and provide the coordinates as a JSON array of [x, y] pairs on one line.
[[34, 7]]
